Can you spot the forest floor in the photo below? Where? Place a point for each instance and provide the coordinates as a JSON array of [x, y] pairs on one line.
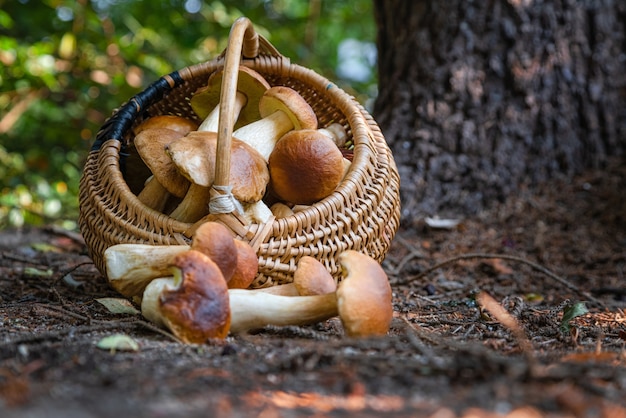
[[449, 352]]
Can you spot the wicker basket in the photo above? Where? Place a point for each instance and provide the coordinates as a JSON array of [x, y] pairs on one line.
[[362, 214]]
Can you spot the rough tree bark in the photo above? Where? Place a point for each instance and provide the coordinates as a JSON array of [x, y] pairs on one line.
[[480, 98]]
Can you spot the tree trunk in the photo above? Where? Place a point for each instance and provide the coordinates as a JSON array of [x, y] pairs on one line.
[[480, 98]]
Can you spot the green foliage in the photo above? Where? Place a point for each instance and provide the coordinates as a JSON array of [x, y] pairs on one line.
[[570, 312], [65, 65]]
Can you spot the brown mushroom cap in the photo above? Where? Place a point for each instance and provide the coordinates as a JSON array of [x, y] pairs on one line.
[[291, 103], [207, 97], [249, 83], [175, 123], [281, 210], [364, 296], [214, 240], [305, 167], [199, 308], [249, 174], [195, 155], [247, 266], [151, 144], [313, 278]]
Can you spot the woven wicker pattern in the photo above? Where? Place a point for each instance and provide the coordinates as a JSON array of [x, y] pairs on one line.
[[362, 214]]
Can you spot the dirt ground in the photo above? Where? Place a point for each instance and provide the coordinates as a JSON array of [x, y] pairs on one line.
[[449, 352]]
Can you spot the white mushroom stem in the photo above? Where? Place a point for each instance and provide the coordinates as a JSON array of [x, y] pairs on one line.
[[211, 122], [253, 310], [282, 109], [130, 267], [257, 212], [263, 134], [346, 166], [150, 301], [287, 289], [336, 132], [154, 194], [194, 205]]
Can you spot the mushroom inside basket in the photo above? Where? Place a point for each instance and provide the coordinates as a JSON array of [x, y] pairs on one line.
[[287, 161]]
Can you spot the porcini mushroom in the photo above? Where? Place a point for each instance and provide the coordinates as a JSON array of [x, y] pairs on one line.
[[195, 155], [130, 267], [281, 210], [282, 109], [257, 212], [373, 311], [173, 122], [236, 259], [247, 266], [362, 301], [196, 160], [305, 167], [337, 133], [166, 180], [194, 304], [310, 278], [250, 88], [214, 240], [313, 278]]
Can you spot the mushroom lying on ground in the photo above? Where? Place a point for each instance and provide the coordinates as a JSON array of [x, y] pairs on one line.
[[195, 155], [130, 267], [191, 304], [247, 266], [215, 241], [305, 167], [310, 278], [194, 304], [236, 259], [362, 301], [282, 109]]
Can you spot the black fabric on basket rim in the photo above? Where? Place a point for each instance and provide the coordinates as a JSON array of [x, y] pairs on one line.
[[117, 125]]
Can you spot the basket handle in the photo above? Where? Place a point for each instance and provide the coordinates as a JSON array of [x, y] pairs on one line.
[[242, 39]]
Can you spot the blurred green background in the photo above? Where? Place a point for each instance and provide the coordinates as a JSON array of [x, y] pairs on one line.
[[66, 65]]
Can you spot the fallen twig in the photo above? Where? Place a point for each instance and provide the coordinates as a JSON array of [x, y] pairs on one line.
[[487, 302], [413, 253], [31, 338], [507, 257]]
